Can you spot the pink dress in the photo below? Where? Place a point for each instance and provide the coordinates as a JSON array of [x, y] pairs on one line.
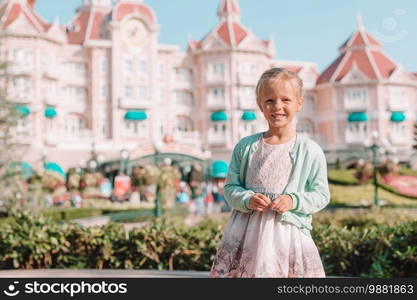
[[259, 244]]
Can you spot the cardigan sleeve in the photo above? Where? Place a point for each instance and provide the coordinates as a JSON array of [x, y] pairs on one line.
[[318, 195], [235, 194]]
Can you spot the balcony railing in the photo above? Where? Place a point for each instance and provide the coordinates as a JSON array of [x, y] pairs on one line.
[[187, 137], [356, 105], [76, 105], [216, 103], [52, 72], [356, 138], [217, 137], [247, 79], [395, 104], [57, 136], [130, 102], [182, 84], [215, 79], [16, 69], [74, 78], [399, 137], [247, 103]]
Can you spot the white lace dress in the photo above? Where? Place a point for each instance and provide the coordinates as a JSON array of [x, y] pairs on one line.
[[259, 244]]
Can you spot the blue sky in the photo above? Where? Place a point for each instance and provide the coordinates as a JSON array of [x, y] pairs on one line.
[[309, 30]]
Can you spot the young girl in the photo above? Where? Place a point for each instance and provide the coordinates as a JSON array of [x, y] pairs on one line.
[[277, 179]]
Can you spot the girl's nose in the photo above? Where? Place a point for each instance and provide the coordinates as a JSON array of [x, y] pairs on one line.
[[278, 104]]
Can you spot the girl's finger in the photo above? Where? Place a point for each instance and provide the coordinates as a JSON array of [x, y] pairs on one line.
[[265, 199], [261, 202]]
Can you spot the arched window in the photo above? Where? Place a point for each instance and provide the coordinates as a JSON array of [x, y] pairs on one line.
[[184, 124]]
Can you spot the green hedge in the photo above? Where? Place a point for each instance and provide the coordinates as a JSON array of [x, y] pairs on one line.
[[342, 177], [35, 242], [394, 191], [406, 171]]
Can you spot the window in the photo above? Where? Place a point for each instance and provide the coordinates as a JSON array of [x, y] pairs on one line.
[[21, 56], [22, 85], [136, 128], [104, 65], [218, 93], [161, 69], [104, 91], [77, 93], [246, 68], [247, 92], [129, 65], [183, 73], [357, 132], [161, 93], [23, 126], [142, 66], [184, 98], [398, 98], [184, 124], [74, 125], [356, 98], [49, 88], [129, 91], [216, 71], [75, 68], [219, 127], [143, 91]]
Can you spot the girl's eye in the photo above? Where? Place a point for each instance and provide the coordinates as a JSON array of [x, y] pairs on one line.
[[269, 100], [287, 100]]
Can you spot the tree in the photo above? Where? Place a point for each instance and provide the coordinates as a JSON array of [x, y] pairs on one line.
[[12, 183]]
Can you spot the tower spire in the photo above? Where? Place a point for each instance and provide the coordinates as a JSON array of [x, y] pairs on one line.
[[229, 9], [359, 20]]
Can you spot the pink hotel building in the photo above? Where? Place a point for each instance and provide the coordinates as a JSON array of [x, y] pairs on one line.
[[103, 83]]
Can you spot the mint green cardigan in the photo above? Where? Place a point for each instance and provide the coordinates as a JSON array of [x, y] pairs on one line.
[[307, 185]]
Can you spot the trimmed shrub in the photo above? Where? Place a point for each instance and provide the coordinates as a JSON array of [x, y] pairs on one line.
[[363, 246]]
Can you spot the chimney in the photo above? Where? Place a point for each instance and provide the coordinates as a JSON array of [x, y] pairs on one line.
[[31, 3]]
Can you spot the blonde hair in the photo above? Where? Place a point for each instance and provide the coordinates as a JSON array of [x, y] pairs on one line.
[[278, 74]]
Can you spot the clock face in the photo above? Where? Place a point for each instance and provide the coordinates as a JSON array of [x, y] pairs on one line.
[[134, 32]]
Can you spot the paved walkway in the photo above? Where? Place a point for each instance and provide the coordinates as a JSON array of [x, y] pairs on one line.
[[70, 273]]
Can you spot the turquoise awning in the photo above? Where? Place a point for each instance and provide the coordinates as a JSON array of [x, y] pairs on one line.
[[55, 168], [23, 168], [248, 115], [219, 169], [136, 115], [23, 110], [398, 116], [219, 116], [50, 112], [358, 117]]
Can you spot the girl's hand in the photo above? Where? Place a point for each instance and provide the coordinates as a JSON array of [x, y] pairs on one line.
[[259, 202], [282, 204]]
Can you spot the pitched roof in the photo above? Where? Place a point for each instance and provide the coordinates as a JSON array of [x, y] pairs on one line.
[[10, 10], [229, 29], [364, 51], [77, 35], [232, 33], [98, 19]]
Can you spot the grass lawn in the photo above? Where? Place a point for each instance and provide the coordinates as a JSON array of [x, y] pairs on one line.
[[362, 194]]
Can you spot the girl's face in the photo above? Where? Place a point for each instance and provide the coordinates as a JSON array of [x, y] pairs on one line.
[[279, 102]]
